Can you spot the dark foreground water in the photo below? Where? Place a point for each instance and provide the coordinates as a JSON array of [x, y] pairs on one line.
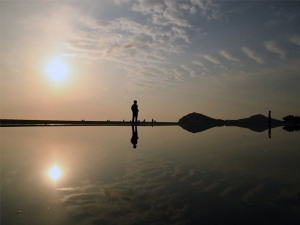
[[224, 175]]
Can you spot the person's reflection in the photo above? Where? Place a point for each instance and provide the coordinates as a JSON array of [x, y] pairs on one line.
[[134, 136], [269, 130]]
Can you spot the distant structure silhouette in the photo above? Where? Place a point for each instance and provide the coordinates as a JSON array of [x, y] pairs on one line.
[[134, 137], [135, 110], [270, 119]]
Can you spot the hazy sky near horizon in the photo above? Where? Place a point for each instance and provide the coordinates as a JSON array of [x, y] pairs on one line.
[[224, 59]]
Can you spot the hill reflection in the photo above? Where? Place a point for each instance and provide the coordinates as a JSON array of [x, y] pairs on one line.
[[197, 128]]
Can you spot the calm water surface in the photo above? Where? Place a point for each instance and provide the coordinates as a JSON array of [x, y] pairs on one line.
[[219, 176]]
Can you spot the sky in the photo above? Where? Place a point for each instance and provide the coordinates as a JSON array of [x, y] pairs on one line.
[[74, 60]]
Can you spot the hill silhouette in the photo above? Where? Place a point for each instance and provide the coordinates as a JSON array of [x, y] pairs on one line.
[[197, 122], [197, 118], [257, 123], [259, 118], [191, 122]]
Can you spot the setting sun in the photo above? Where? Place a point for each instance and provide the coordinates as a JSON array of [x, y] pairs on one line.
[[54, 173], [57, 70]]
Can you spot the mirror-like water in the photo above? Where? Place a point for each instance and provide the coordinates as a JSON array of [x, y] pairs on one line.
[[93, 175]]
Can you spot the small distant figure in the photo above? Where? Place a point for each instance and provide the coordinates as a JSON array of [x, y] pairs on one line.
[[269, 130], [144, 121], [135, 110], [134, 137], [270, 119], [153, 121], [123, 120]]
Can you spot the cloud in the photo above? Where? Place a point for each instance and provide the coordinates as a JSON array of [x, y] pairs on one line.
[[211, 187], [227, 191], [175, 18], [252, 193], [133, 45], [198, 63], [81, 196], [137, 45], [67, 189], [163, 12], [193, 10], [228, 56], [180, 33], [110, 39], [208, 9], [119, 2], [295, 40], [189, 8], [148, 6], [81, 188], [211, 59], [253, 55], [191, 72], [273, 47], [184, 6]]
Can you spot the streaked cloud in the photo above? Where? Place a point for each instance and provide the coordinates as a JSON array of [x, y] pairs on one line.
[[211, 59], [211, 187], [228, 56], [227, 191], [273, 47], [253, 55], [198, 63]]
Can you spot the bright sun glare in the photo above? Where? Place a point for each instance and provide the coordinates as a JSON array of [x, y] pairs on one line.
[[54, 173], [57, 70]]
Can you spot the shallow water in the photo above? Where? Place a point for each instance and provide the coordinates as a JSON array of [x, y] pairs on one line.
[[224, 175]]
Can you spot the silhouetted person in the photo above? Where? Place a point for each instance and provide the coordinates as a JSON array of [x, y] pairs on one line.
[[269, 130], [270, 119], [134, 136], [135, 110]]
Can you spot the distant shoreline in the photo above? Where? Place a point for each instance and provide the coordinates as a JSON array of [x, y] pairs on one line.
[[29, 123]]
